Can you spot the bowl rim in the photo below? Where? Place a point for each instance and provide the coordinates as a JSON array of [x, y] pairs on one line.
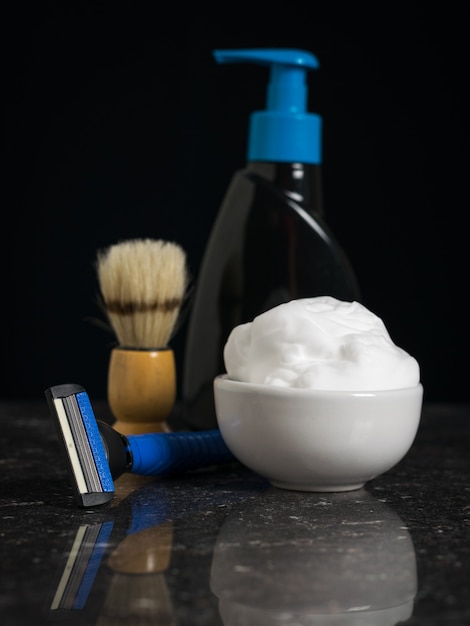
[[224, 381]]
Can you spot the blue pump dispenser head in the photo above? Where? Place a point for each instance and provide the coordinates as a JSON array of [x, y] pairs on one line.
[[284, 132]]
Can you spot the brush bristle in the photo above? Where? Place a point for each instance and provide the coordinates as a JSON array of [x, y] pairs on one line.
[[143, 283]]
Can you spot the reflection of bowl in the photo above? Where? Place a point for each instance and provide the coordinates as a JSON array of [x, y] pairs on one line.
[[323, 559], [316, 440]]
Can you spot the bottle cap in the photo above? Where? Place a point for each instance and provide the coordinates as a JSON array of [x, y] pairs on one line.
[[284, 132]]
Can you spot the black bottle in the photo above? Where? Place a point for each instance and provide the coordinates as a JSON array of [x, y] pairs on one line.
[[269, 243]]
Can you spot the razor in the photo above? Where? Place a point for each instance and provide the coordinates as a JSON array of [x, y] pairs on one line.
[[97, 454]]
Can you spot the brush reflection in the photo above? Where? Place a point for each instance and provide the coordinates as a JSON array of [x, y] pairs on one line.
[[318, 559], [138, 592]]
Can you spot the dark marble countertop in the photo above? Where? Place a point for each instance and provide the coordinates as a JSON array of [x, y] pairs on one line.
[[222, 547]]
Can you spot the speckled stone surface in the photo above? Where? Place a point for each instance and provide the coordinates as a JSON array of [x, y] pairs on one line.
[[223, 547]]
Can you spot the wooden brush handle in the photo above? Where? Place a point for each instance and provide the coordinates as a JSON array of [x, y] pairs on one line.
[[141, 389]]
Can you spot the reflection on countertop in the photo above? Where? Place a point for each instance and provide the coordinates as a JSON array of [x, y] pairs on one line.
[[346, 557], [221, 547]]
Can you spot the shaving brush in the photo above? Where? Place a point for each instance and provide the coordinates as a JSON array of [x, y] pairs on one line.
[[143, 284]]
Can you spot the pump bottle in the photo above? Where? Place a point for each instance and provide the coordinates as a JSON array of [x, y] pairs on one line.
[[269, 243]]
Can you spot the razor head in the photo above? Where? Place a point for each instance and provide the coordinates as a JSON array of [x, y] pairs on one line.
[[82, 444]]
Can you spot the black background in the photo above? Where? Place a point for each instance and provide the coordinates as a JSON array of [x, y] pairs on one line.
[[118, 123]]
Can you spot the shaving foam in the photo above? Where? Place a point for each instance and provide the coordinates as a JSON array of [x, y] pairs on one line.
[[319, 343]]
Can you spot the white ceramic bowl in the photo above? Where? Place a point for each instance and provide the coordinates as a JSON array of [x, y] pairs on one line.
[[310, 440]]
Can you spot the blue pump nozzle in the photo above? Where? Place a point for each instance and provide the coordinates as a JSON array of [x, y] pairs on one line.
[[284, 132]]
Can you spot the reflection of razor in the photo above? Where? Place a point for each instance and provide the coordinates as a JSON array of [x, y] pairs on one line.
[[145, 552], [82, 565], [97, 454]]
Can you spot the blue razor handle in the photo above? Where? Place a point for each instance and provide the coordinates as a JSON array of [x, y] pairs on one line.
[[155, 454]]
